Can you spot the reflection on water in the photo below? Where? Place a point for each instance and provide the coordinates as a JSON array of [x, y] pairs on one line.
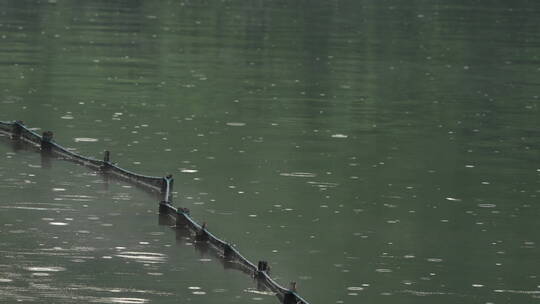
[[58, 223], [39, 207], [299, 174], [143, 257], [383, 152], [45, 269], [41, 263], [120, 300]]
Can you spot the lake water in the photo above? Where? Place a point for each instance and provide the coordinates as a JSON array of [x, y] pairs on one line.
[[372, 151]]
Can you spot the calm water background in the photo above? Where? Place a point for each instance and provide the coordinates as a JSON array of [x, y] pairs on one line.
[[372, 151]]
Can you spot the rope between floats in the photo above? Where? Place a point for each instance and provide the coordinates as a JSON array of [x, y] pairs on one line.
[[163, 185]]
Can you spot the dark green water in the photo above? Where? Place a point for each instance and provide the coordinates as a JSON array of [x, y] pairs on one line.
[[372, 151]]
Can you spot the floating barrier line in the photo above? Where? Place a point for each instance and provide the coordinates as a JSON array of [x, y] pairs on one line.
[[164, 186]]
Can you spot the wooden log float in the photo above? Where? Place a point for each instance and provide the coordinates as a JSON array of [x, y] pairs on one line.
[[46, 141]]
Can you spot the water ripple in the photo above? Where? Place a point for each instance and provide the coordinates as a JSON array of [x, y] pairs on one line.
[[298, 174], [425, 293], [45, 269], [121, 300], [144, 257]]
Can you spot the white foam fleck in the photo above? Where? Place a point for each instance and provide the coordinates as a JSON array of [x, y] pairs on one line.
[[85, 139], [424, 293], [45, 269], [339, 136], [58, 223], [112, 300], [298, 174], [487, 205], [477, 285], [200, 293], [236, 124], [383, 270]]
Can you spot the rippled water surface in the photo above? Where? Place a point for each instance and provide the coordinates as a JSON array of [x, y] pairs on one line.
[[70, 235], [372, 151]]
